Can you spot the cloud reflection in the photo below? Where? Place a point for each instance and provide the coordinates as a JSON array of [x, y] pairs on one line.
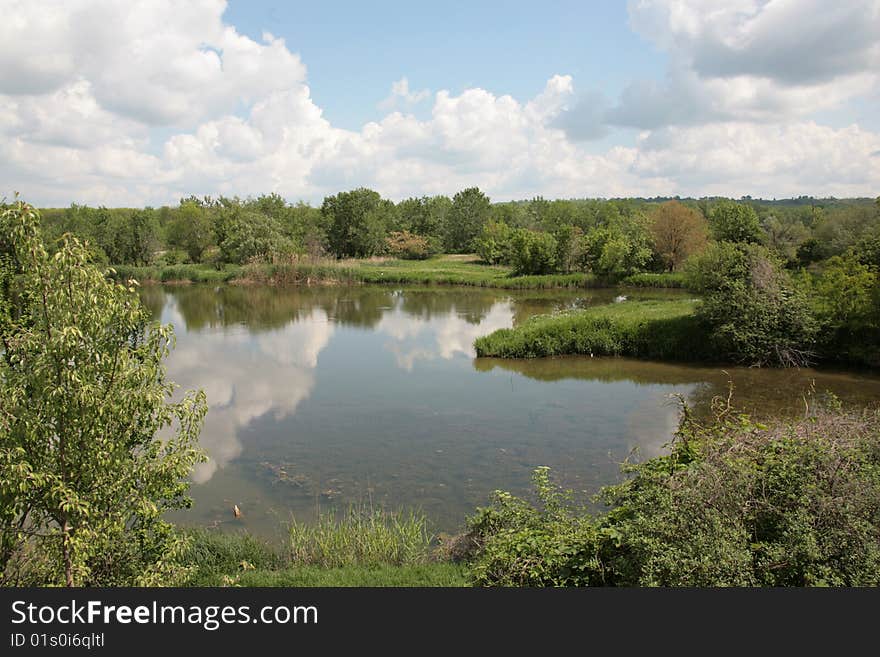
[[245, 376], [442, 336]]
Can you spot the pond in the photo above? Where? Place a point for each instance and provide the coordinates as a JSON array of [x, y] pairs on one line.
[[325, 397]]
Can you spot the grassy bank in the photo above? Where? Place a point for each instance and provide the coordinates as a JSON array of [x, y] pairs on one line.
[[357, 548], [648, 279], [178, 273], [464, 270], [441, 270], [665, 330]]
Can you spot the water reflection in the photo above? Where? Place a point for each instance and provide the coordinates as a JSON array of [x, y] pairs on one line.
[[244, 375], [322, 397], [425, 326]]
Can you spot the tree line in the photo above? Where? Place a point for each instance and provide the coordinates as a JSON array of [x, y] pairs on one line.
[[610, 238]]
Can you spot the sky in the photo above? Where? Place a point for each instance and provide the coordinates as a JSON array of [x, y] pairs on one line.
[[148, 101]]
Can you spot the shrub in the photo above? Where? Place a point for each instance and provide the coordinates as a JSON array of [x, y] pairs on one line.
[[493, 243], [408, 246], [532, 252], [753, 311]]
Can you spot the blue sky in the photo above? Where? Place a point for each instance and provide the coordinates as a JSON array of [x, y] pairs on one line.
[[149, 101], [355, 50]]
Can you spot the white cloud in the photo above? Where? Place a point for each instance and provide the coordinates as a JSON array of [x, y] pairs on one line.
[[117, 104], [751, 60], [402, 95]]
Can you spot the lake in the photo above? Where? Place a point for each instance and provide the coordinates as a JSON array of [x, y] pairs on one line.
[[325, 397]]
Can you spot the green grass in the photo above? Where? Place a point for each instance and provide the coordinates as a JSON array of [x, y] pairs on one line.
[[662, 330], [361, 547], [361, 537], [427, 574], [440, 270], [665, 280], [177, 273]]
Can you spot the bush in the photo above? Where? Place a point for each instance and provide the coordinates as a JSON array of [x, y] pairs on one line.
[[408, 246], [532, 252], [733, 503], [752, 310], [493, 243]]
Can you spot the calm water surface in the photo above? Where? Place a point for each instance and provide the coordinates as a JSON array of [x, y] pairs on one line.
[[321, 398]]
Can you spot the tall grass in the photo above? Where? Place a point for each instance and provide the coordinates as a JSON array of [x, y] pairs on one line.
[[440, 270], [436, 271], [214, 555], [664, 330], [177, 273], [360, 537], [665, 280]]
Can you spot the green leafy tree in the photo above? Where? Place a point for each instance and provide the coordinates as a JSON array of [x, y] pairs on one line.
[[244, 235], [752, 309], [616, 250], [356, 223], [532, 252], [846, 301], [93, 450], [470, 211], [569, 245], [127, 237], [191, 229], [493, 243], [734, 222]]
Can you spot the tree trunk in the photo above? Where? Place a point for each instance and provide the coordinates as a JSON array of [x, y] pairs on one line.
[[68, 562]]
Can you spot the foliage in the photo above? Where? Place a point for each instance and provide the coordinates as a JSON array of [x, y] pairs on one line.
[[734, 222], [679, 232], [733, 503], [245, 235], [846, 301], [753, 311], [616, 249], [569, 247], [493, 243], [356, 224], [191, 230], [85, 475], [532, 252], [644, 329], [785, 237], [554, 544], [408, 246], [465, 219]]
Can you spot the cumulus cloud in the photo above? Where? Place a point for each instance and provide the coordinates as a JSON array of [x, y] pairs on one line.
[[402, 95], [750, 60], [117, 104]]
